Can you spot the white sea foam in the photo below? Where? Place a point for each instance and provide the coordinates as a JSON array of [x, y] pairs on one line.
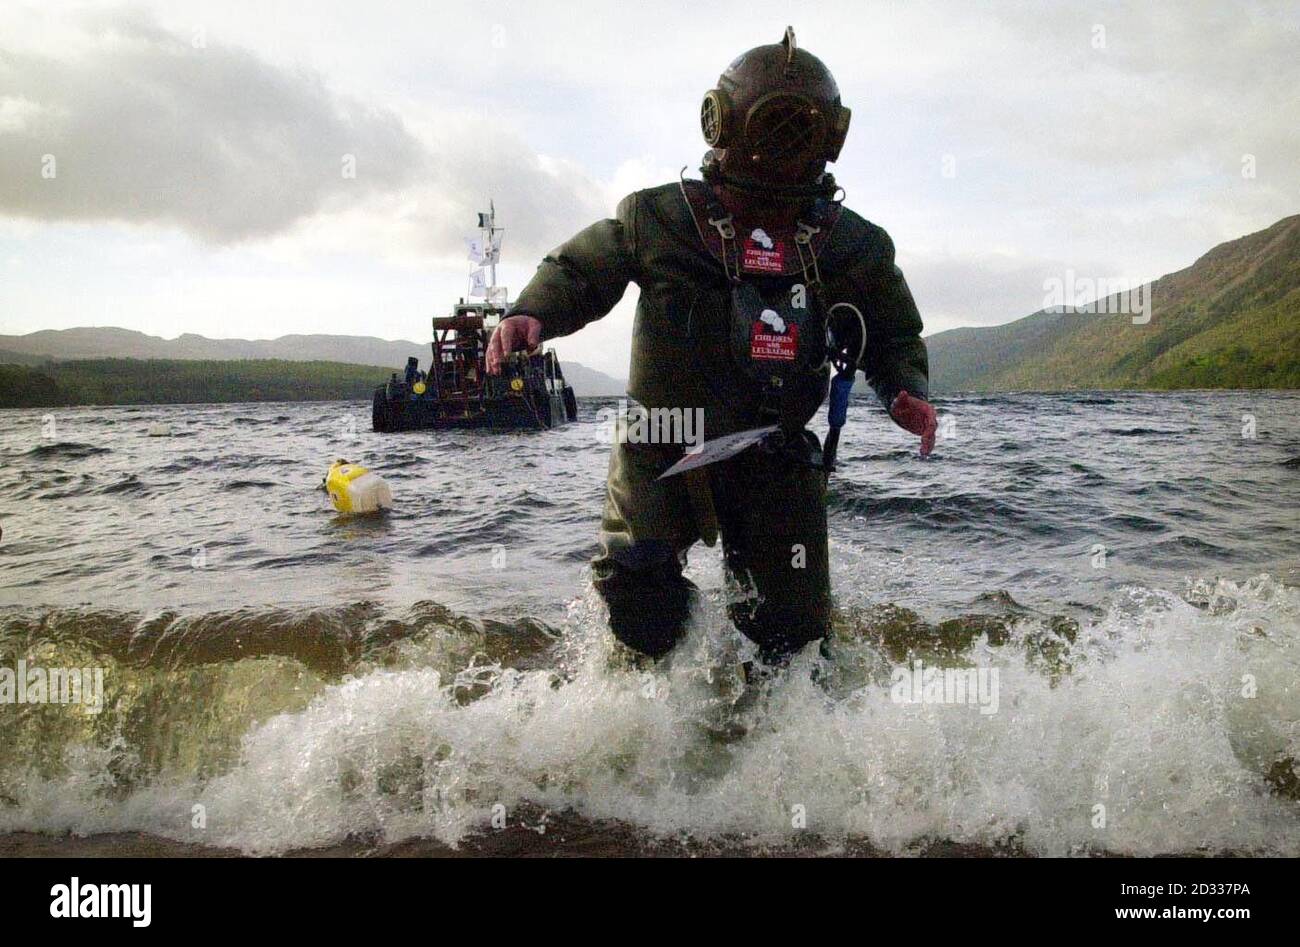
[[1151, 724]]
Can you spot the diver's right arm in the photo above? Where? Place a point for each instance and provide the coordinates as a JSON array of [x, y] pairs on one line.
[[577, 283]]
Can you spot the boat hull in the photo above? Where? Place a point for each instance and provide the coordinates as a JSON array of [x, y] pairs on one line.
[[394, 411]]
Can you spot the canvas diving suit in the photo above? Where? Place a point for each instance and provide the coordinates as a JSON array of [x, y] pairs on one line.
[[717, 328]]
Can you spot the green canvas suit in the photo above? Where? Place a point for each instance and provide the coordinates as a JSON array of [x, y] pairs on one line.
[[771, 513]]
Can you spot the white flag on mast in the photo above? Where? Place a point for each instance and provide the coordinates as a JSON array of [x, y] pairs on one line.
[[478, 282], [480, 252]]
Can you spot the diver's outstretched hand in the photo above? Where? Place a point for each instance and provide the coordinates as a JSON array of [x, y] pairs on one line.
[[515, 334], [916, 415]]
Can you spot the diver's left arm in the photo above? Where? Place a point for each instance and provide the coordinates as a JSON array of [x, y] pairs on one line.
[[895, 360]]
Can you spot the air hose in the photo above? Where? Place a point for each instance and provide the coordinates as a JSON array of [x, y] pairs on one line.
[[836, 414], [846, 362]]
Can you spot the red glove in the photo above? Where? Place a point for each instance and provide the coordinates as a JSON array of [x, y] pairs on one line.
[[516, 334], [916, 415]]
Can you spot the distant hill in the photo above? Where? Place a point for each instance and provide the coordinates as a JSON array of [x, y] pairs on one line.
[[107, 342], [181, 381], [1230, 320], [21, 358]]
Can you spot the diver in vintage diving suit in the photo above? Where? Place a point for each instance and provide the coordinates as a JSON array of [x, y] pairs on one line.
[[757, 286]]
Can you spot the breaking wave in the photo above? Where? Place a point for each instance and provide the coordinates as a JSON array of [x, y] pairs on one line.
[[1176, 713]]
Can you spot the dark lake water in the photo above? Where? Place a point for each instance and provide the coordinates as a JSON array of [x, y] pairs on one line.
[[1127, 564]]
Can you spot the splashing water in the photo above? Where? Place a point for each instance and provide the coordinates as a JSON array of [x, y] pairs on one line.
[[1135, 713]]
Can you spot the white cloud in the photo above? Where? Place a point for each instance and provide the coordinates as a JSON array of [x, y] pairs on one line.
[[143, 127], [1122, 161]]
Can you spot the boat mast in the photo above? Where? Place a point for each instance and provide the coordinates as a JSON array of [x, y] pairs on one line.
[[491, 234], [491, 247]]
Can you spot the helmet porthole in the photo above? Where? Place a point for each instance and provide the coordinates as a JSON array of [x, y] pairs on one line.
[[711, 119]]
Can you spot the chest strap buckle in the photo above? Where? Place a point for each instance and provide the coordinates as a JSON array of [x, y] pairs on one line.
[[724, 226]]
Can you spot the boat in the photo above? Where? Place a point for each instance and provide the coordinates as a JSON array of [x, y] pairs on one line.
[[456, 391]]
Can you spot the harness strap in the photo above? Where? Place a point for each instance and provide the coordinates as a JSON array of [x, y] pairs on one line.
[[703, 206], [700, 493], [726, 229], [719, 239], [803, 242]]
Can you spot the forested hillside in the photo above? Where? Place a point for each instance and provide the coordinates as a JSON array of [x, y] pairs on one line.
[[1230, 320], [181, 381]]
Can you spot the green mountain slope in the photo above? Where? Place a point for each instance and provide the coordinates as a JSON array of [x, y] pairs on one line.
[[109, 342], [183, 381], [1230, 320]]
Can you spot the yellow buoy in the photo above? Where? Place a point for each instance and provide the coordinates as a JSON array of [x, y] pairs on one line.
[[354, 489]]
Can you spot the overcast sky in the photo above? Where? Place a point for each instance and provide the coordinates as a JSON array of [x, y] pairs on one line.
[[197, 181]]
